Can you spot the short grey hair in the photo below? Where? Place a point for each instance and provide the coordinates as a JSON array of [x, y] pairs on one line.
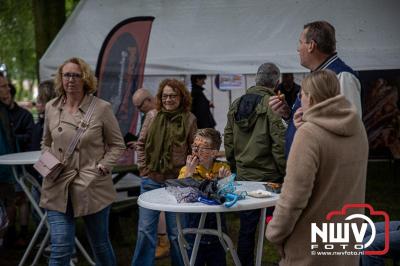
[[268, 75]]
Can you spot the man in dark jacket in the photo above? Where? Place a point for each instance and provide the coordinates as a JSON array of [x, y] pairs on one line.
[[200, 104], [21, 125], [7, 190], [289, 88], [21, 120], [254, 147]]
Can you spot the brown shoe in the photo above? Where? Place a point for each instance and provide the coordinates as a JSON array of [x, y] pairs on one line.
[[162, 249]]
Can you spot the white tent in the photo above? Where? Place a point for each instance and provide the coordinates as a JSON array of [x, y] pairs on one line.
[[232, 36]]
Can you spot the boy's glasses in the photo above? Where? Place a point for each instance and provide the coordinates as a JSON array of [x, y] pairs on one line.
[[197, 148]]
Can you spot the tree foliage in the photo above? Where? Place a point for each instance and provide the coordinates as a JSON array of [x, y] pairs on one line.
[[17, 39], [27, 28]]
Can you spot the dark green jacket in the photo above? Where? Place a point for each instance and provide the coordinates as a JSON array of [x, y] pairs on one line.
[[254, 143]]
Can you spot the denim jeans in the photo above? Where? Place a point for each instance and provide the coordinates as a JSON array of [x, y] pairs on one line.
[[379, 243], [146, 242], [247, 234], [62, 235]]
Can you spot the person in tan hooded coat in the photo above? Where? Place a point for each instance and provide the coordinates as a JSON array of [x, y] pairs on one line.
[[326, 169]]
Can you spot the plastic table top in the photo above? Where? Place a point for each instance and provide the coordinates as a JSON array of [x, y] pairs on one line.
[[161, 200], [20, 158]]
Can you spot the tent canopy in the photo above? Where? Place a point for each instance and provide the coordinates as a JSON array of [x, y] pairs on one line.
[[232, 36]]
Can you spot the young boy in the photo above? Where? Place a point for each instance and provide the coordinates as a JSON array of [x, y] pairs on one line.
[[200, 165]]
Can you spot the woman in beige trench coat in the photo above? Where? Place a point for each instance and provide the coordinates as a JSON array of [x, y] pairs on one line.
[[84, 188]]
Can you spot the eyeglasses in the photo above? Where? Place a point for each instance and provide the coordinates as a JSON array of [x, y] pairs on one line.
[[171, 96], [197, 148], [74, 76]]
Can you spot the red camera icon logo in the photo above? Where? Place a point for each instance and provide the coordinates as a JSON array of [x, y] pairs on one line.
[[372, 212]]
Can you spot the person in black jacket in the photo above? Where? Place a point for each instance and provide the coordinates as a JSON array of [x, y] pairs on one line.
[[200, 104], [21, 125]]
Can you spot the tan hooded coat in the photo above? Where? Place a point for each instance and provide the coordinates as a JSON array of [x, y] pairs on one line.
[[326, 169]]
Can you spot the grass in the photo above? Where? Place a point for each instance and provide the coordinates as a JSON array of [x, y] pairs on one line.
[[383, 185]]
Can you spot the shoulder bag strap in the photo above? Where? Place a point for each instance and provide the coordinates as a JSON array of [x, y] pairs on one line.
[[80, 130]]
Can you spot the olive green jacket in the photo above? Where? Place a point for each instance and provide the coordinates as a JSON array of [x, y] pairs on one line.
[[254, 146]]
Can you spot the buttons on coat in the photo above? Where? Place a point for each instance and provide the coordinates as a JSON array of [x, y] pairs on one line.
[[60, 150], [59, 129]]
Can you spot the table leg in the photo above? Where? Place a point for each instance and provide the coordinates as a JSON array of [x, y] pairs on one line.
[[261, 231], [84, 253], [181, 240], [26, 190], [224, 239], [220, 233], [34, 205], [42, 216], [42, 246], [198, 238], [33, 240]]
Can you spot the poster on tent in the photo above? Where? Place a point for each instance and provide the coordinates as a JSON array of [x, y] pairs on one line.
[[120, 70], [227, 82], [381, 112]]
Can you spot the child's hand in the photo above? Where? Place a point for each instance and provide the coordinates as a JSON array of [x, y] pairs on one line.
[[191, 163], [223, 172]]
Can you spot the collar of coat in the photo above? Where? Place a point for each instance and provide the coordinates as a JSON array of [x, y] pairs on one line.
[[83, 106]]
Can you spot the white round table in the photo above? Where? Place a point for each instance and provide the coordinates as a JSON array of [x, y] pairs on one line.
[[161, 200], [22, 159]]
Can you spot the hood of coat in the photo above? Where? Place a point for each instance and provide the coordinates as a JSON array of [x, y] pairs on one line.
[[336, 115], [250, 106]]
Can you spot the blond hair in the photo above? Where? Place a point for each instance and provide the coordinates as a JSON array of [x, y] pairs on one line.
[[321, 85], [88, 78]]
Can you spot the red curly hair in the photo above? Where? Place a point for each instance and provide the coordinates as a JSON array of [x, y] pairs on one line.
[[178, 87]]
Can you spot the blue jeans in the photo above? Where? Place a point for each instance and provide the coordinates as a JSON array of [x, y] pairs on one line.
[[247, 234], [379, 243], [146, 242], [62, 235]]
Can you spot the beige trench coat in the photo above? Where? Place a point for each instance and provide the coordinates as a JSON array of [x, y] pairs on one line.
[[80, 180]]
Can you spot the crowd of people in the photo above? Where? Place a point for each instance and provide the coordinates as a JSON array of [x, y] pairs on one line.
[[308, 139]]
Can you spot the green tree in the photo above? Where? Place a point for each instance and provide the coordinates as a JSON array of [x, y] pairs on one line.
[[17, 39], [27, 28]]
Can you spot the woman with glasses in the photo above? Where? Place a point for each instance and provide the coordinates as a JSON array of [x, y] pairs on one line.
[[84, 188], [162, 148]]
